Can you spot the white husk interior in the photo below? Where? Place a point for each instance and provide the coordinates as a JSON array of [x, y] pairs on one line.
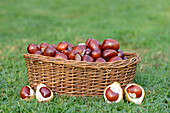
[[137, 100], [31, 92], [115, 87], [39, 96]]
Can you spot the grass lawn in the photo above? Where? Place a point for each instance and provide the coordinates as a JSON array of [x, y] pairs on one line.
[[139, 26]]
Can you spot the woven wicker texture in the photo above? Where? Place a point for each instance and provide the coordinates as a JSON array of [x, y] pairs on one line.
[[78, 78]]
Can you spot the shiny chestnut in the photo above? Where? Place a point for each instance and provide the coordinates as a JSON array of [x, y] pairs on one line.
[[135, 89], [110, 44], [109, 53], [111, 96], [94, 44], [32, 48], [116, 58], [61, 56], [26, 92], [49, 51], [88, 51], [38, 53], [96, 53], [100, 59], [66, 52], [62, 46], [87, 58], [43, 46], [70, 47], [120, 54], [81, 49], [72, 54], [54, 46], [87, 41]]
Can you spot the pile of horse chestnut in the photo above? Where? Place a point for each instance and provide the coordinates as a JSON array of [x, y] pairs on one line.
[[90, 51]]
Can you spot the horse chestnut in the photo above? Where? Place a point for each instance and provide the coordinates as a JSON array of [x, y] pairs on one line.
[[110, 44], [61, 56], [26, 92], [115, 58], [43, 46], [96, 53], [32, 48], [62, 46], [87, 58], [49, 51]]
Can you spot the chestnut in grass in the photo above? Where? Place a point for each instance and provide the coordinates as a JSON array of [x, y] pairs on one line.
[[26, 93], [100, 59], [49, 51], [110, 44], [62, 46], [70, 47], [115, 58], [109, 53], [94, 44], [32, 48], [120, 54], [66, 52], [88, 51], [43, 93], [134, 93], [87, 41], [87, 58], [43, 46], [113, 93], [96, 53], [38, 53], [61, 56]]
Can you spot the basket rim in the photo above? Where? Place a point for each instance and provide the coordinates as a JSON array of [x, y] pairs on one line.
[[84, 64]]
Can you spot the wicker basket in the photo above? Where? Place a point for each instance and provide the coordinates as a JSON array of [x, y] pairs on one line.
[[78, 78]]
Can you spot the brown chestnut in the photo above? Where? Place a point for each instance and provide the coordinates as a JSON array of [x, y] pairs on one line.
[[88, 51], [96, 53], [62, 46], [45, 92], [94, 44], [49, 51], [61, 56], [111, 96], [38, 46], [32, 48], [54, 46], [100, 59], [70, 47], [135, 89], [38, 53], [87, 58], [43, 46], [66, 52], [72, 54], [115, 58], [87, 41], [26, 92], [120, 53], [110, 44], [109, 53], [81, 49]]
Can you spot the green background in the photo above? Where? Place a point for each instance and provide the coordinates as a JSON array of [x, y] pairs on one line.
[[139, 26]]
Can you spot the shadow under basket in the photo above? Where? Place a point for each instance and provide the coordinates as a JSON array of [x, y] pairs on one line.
[[79, 78]]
